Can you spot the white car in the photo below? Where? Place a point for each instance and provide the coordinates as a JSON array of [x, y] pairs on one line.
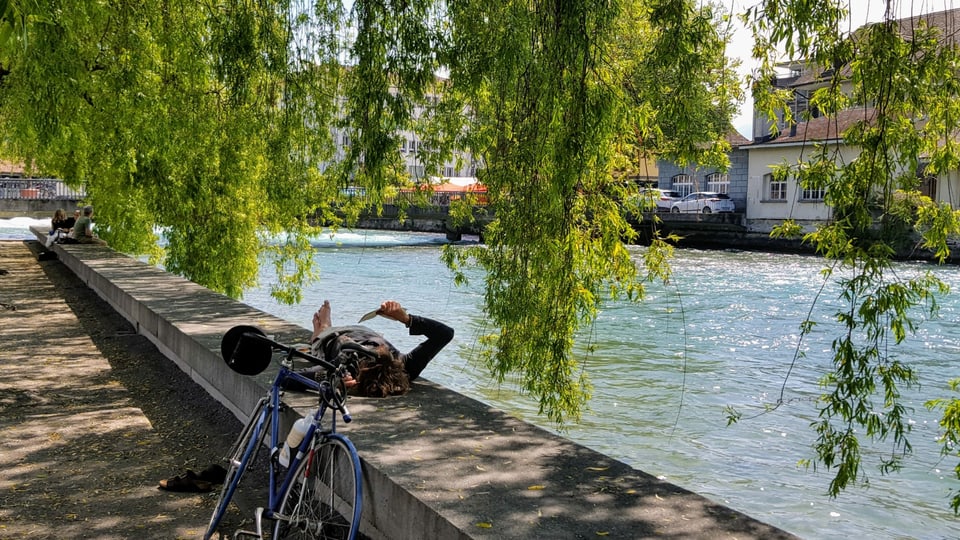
[[661, 198], [705, 202]]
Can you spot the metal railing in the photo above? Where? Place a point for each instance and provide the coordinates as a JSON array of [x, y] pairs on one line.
[[426, 198], [52, 189], [38, 188], [444, 198]]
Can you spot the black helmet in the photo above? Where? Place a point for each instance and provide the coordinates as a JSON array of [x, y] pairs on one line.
[[245, 355]]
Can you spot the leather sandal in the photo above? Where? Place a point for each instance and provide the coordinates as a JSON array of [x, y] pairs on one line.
[[183, 483], [214, 474], [195, 482]]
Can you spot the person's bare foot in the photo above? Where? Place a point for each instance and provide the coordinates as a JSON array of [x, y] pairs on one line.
[[321, 319]]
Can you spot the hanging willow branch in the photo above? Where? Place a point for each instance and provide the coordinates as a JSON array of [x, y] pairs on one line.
[[906, 109]]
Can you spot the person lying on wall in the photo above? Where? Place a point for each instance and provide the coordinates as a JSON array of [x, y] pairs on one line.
[[390, 372]]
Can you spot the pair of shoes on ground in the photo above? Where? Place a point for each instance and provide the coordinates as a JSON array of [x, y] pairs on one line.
[[194, 482]]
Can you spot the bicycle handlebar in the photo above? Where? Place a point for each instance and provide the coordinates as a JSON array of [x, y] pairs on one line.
[[257, 360], [291, 351]]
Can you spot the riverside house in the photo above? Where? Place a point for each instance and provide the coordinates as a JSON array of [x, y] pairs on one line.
[[770, 200]]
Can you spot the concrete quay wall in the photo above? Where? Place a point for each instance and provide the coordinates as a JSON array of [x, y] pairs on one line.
[[437, 464]]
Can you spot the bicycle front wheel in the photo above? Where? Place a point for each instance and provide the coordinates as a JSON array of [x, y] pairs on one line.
[[241, 455], [324, 498]]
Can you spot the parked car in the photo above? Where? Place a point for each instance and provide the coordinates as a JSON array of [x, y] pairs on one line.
[[704, 202], [662, 198]]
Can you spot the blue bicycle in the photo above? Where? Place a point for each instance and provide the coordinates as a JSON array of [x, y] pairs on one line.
[[318, 496]]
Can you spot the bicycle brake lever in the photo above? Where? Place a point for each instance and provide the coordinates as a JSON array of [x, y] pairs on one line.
[[342, 398], [335, 395]]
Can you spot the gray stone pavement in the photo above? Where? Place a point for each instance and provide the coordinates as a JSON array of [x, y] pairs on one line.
[[92, 416]]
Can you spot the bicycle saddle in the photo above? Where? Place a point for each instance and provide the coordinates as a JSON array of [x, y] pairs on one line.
[[245, 355]]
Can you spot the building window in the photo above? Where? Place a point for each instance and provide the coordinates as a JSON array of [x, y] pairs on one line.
[[812, 194], [415, 171], [682, 184], [928, 186], [800, 106], [718, 183], [774, 188], [928, 182]]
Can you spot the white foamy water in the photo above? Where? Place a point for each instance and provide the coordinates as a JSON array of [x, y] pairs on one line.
[[18, 228]]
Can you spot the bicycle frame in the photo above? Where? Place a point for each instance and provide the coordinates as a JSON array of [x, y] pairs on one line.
[[270, 406]]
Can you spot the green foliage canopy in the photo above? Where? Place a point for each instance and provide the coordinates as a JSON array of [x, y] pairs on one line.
[[215, 122], [195, 118], [553, 89]]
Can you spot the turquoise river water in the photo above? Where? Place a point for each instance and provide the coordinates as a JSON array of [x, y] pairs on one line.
[[723, 333]]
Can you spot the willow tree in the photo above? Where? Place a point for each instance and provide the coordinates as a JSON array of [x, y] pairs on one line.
[[902, 74], [553, 88], [214, 122], [201, 119]]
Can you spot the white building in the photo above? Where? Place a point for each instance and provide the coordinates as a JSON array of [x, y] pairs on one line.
[[411, 149], [769, 200]]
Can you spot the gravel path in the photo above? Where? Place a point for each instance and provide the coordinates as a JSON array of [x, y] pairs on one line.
[[92, 416]]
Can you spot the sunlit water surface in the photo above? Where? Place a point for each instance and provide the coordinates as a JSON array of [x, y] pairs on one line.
[[724, 333]]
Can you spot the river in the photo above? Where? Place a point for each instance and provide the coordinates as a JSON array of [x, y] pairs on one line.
[[723, 333]]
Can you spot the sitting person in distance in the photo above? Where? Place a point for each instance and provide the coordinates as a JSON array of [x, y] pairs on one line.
[[83, 229]]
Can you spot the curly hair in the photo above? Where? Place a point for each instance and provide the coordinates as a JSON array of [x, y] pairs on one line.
[[385, 376]]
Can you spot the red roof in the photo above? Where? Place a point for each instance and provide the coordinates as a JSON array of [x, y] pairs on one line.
[[736, 139], [447, 187], [455, 187]]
